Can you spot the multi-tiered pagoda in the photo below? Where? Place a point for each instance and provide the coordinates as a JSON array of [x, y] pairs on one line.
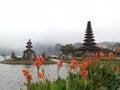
[[29, 54], [89, 44]]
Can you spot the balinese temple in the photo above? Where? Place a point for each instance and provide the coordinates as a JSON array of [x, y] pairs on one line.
[[29, 54], [89, 44]]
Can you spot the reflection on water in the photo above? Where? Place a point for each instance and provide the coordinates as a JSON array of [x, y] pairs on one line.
[[11, 76]]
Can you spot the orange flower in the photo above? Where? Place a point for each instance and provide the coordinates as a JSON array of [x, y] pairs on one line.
[[40, 75], [84, 72], [73, 64], [39, 61], [84, 64], [115, 68], [59, 63], [96, 54], [73, 61], [110, 55], [29, 77], [119, 69], [102, 55], [118, 49], [26, 72]]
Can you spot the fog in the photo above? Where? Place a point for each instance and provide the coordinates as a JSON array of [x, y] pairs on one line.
[[57, 21]]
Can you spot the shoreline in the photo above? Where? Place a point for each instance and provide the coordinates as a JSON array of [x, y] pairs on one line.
[[23, 63], [27, 63], [19, 63]]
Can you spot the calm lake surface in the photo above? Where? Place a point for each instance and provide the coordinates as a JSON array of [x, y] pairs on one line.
[[11, 77]]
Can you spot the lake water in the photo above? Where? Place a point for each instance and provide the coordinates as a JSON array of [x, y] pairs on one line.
[[11, 77]]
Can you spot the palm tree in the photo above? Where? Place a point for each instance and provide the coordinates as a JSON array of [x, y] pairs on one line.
[[4, 56]]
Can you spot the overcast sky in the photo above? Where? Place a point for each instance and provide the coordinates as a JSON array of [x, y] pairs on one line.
[[52, 21]]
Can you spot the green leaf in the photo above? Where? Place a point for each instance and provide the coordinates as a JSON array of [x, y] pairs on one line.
[[54, 86], [82, 84], [89, 85], [95, 67], [61, 83]]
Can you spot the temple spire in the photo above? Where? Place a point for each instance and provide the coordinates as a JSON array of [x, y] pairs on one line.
[[29, 44], [89, 41], [89, 38]]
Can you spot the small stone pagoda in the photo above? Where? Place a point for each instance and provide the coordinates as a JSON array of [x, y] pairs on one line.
[[89, 44], [29, 54]]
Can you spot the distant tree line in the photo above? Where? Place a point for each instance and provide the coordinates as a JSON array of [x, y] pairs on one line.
[[54, 49]]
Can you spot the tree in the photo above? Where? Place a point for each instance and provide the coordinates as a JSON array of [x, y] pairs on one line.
[[4, 56], [67, 49], [77, 54]]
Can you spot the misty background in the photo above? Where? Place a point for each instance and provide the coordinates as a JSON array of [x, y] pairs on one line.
[[49, 22]]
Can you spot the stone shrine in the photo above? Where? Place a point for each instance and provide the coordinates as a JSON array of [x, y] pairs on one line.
[[29, 54]]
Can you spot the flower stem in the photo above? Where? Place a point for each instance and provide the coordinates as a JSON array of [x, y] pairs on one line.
[[38, 73]]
